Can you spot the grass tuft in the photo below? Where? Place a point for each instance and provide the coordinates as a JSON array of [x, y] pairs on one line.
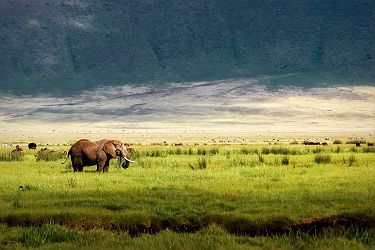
[[321, 158], [11, 157]]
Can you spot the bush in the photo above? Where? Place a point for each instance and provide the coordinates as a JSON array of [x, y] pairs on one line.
[[337, 141], [201, 151], [351, 160], [337, 150], [213, 151], [260, 158], [369, 149], [285, 160], [356, 141], [202, 163], [319, 158], [294, 142], [265, 151], [317, 150]]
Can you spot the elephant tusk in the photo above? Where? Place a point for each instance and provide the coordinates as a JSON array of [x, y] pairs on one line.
[[128, 159]]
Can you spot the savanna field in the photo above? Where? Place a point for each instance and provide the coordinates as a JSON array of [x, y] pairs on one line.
[[193, 197]]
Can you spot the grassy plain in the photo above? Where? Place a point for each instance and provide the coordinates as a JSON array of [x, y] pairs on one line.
[[198, 196]]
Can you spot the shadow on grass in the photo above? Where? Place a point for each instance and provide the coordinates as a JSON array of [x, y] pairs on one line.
[[233, 225]]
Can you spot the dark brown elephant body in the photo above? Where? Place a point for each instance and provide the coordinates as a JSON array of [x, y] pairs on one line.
[[89, 153]]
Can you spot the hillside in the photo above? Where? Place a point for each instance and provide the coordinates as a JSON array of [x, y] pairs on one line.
[[62, 46]]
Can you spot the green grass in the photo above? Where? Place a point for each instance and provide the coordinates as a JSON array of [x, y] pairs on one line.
[[231, 196], [10, 157]]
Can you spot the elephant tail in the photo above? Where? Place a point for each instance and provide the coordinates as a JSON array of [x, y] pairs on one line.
[[69, 154]]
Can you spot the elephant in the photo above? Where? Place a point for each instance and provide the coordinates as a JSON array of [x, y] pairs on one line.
[[89, 153]]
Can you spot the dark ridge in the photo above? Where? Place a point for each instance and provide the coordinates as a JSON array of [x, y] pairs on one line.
[[233, 225]]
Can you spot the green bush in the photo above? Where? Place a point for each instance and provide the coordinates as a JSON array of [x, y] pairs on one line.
[[317, 150], [260, 158], [356, 141], [351, 160], [285, 160], [337, 141], [337, 150], [201, 151], [320, 158], [369, 149], [201, 164]]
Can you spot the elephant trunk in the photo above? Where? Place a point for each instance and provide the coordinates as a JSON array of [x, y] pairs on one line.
[[123, 152]]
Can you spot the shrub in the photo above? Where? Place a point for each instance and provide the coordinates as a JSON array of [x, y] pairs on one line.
[[351, 160], [190, 151], [320, 158], [337, 150], [369, 150], [285, 160], [337, 141], [201, 164], [294, 142], [260, 158], [353, 149], [201, 151], [317, 150], [355, 141], [265, 151], [213, 151]]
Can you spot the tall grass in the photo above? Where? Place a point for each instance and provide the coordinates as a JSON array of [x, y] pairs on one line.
[[11, 157], [233, 190], [321, 158], [355, 141]]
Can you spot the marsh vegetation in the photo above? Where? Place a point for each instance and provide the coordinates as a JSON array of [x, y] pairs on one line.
[[201, 196]]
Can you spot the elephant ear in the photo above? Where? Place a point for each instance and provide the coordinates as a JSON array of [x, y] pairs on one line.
[[110, 148]]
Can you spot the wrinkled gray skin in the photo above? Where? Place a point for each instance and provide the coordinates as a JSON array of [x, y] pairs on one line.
[[89, 153]]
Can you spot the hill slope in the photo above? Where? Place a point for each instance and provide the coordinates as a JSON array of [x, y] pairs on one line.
[[68, 45]]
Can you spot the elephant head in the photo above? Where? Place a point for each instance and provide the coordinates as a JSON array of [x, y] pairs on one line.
[[117, 148]]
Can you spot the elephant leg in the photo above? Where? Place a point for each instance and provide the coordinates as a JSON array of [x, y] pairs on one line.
[[100, 166], [77, 164], [106, 166], [74, 165]]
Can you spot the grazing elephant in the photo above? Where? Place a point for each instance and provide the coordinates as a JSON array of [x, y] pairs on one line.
[[88, 153]]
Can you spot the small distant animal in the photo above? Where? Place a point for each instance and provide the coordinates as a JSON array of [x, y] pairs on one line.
[[358, 144], [18, 151], [325, 144], [178, 144], [45, 152], [32, 145], [370, 144]]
